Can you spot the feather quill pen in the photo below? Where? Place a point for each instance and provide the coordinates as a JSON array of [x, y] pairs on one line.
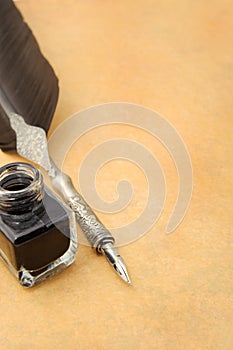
[[28, 98]]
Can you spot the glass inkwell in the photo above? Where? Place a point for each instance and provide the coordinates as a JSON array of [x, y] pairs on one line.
[[38, 235]]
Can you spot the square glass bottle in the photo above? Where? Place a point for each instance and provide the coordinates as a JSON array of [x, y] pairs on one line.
[[38, 235]]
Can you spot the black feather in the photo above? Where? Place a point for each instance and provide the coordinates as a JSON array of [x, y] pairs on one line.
[[28, 84]]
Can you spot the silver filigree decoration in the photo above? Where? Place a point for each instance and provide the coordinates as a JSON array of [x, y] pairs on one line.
[[31, 142], [88, 221]]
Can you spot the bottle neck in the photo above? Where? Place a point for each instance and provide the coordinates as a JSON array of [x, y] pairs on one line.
[[21, 189]]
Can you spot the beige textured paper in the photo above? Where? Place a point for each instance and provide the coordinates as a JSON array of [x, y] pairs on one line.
[[176, 58]]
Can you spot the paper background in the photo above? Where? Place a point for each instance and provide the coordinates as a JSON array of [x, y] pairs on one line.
[[174, 57]]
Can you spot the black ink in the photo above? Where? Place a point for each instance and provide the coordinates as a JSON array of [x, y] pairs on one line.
[[35, 227]]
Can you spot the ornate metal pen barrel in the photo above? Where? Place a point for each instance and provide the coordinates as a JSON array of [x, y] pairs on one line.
[[97, 235], [92, 227]]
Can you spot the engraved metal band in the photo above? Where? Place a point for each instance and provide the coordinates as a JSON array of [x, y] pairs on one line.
[[93, 229]]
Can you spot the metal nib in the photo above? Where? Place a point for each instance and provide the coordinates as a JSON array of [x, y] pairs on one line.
[[116, 261]]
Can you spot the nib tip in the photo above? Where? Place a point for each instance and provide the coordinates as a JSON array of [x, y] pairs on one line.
[[117, 262], [121, 270]]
